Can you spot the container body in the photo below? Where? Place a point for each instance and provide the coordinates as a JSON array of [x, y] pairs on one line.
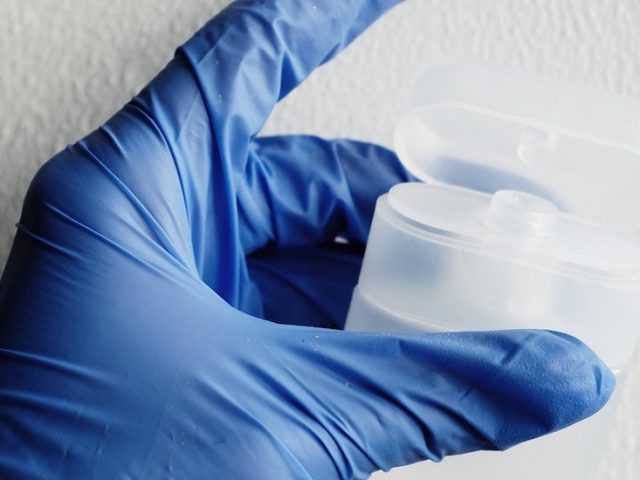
[[433, 282]]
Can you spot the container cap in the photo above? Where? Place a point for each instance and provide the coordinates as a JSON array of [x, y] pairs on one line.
[[518, 227], [486, 128]]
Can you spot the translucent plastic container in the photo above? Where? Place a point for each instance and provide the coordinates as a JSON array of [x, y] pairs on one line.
[[528, 218]]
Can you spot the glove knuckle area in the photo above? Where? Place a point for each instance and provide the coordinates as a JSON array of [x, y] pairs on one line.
[[70, 192], [76, 206]]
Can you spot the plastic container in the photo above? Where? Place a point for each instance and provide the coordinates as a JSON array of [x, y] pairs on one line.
[[528, 219]]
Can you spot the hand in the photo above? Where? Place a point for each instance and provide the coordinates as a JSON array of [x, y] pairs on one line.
[[132, 338]]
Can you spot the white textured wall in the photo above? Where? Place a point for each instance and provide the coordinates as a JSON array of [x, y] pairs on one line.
[[66, 65]]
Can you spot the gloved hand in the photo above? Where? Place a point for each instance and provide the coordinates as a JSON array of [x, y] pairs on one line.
[[131, 338]]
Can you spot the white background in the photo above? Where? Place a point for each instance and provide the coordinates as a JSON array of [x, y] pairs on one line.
[[67, 65]]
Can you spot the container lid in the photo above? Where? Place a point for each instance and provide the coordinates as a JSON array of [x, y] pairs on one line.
[[486, 128], [519, 227]]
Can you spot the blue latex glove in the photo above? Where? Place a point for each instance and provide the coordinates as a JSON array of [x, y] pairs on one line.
[[130, 339]]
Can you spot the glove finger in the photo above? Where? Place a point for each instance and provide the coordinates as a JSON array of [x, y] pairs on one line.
[[309, 286], [255, 52], [303, 190], [383, 400]]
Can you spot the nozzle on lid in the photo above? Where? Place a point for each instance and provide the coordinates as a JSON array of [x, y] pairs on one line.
[[521, 213]]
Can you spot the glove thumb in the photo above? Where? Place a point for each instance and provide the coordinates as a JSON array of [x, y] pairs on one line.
[[382, 400]]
